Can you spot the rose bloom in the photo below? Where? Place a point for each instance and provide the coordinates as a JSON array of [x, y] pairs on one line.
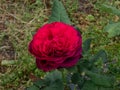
[[56, 45]]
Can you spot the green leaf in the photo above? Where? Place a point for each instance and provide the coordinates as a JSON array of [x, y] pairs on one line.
[[57, 85], [89, 86], [32, 88], [101, 54], [84, 64], [72, 69], [40, 83], [102, 80], [86, 45], [59, 13], [103, 88], [54, 80], [75, 78], [113, 29], [55, 75], [109, 9]]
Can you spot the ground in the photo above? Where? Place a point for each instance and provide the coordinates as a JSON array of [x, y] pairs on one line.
[[19, 19]]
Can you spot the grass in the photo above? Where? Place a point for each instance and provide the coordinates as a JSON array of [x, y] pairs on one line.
[[19, 21]]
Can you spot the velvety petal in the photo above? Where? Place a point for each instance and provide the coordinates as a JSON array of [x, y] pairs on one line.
[[45, 65], [71, 61]]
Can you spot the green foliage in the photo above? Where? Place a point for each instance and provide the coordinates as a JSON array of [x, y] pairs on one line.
[[113, 29], [76, 78], [95, 79], [89, 76], [52, 81], [33, 88], [90, 18], [72, 69], [86, 45], [101, 54], [101, 80], [59, 13], [109, 9], [89, 86], [55, 75]]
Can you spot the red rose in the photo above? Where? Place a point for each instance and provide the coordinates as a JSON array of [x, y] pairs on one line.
[[56, 45]]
